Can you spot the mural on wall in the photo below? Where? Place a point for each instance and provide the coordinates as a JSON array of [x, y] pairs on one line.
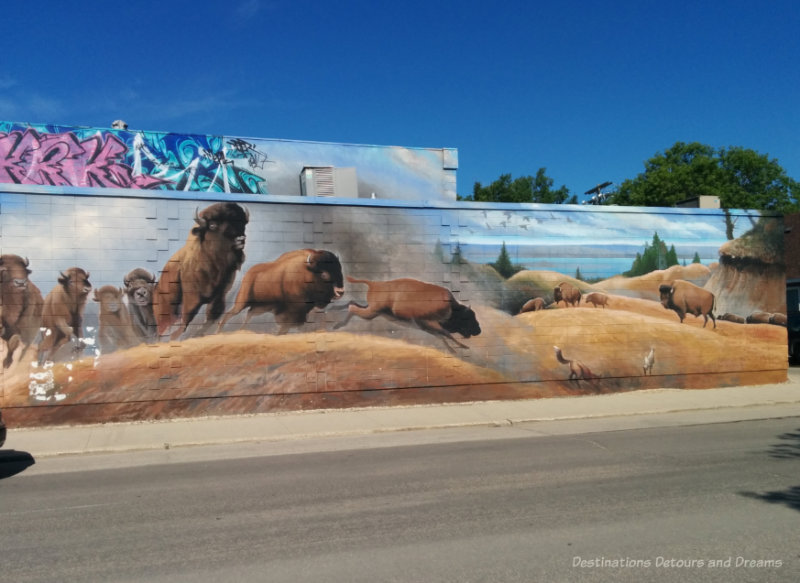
[[124, 308], [53, 155]]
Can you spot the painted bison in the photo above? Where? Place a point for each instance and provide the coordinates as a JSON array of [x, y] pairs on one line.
[[140, 286], [62, 315], [728, 317], [778, 319], [432, 308], [758, 318], [686, 298], [290, 287], [116, 327], [21, 303], [596, 299], [533, 305], [567, 293], [202, 271]]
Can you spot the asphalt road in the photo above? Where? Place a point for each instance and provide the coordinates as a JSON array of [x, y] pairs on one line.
[[494, 504]]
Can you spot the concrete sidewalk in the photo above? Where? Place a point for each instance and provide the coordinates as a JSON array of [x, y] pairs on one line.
[[547, 416]]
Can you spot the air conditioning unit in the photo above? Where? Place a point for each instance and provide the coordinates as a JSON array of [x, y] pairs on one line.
[[328, 181]]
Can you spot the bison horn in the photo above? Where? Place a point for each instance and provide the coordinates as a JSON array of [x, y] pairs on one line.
[[27, 263], [198, 219], [246, 213]]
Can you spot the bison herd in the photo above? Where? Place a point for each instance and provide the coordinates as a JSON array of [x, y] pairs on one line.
[[680, 296], [200, 274]]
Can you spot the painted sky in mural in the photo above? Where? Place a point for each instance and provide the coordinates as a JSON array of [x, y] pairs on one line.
[[67, 156], [602, 243]]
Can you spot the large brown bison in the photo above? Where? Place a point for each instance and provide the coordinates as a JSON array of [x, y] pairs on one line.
[[21, 303], [686, 298], [431, 307], [202, 271], [568, 293], [116, 328], [290, 287], [140, 286], [62, 316]]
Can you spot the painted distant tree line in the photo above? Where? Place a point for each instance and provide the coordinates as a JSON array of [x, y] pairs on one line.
[[655, 256], [742, 179]]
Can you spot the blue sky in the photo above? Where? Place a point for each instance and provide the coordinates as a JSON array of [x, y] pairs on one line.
[[589, 90]]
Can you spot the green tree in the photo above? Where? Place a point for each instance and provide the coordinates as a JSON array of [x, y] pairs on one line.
[[740, 177], [655, 256], [456, 256], [696, 258], [503, 264], [578, 274], [672, 256], [537, 188]]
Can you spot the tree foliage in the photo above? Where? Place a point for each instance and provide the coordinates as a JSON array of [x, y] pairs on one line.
[[655, 256], [537, 188], [740, 177], [503, 265]]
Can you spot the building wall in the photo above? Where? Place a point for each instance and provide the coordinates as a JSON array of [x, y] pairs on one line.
[[792, 246], [430, 352], [40, 154]]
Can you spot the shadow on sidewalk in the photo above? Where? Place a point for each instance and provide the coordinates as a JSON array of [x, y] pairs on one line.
[[13, 462]]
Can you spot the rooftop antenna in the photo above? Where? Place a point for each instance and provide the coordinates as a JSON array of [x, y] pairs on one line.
[[598, 196]]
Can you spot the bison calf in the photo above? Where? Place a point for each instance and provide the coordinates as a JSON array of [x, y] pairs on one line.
[[140, 285], [116, 328], [686, 298], [432, 308], [596, 299], [533, 305]]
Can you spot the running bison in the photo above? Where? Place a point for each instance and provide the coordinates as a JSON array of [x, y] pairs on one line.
[[22, 304], [140, 286], [432, 308], [116, 327], [290, 287], [202, 271], [568, 293], [62, 315], [686, 298]]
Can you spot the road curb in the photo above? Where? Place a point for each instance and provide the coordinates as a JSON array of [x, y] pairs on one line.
[[607, 412]]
